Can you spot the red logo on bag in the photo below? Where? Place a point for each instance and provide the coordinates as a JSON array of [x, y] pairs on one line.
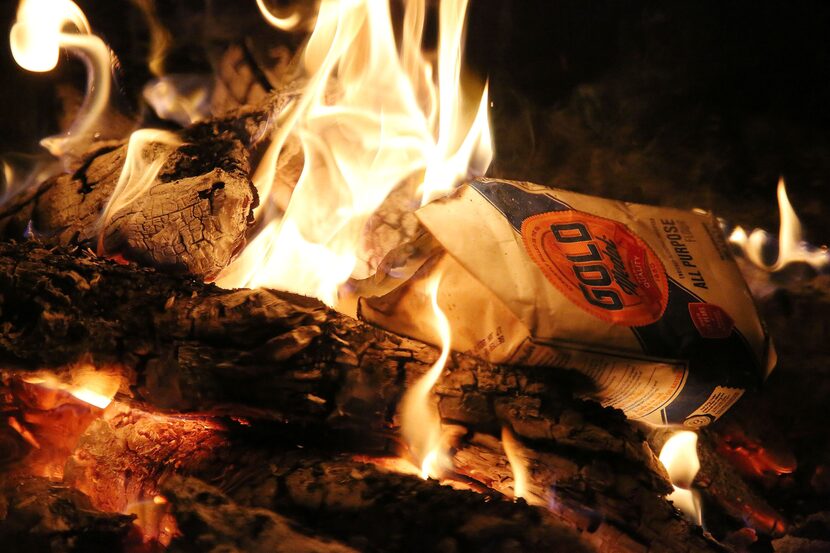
[[599, 264], [710, 320]]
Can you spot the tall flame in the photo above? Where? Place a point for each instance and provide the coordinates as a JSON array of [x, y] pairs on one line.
[[41, 29], [420, 420], [679, 456], [369, 119], [791, 245], [517, 462]]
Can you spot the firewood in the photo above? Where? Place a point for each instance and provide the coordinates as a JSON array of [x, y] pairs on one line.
[[40, 515], [186, 346], [325, 492], [208, 521], [193, 217]]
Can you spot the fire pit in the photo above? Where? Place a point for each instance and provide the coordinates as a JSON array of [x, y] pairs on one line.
[[264, 285]]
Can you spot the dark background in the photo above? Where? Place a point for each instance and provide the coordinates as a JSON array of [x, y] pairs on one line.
[[687, 103]]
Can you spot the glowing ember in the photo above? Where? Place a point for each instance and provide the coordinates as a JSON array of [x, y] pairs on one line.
[[369, 120], [42, 28], [791, 246], [517, 464], [420, 421], [679, 456]]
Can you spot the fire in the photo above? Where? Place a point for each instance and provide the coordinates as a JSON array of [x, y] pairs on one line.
[[137, 174], [92, 387], [791, 246], [420, 420], [370, 120], [41, 29], [679, 456], [517, 463]]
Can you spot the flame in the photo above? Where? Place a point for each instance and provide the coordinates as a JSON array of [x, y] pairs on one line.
[[41, 29], [420, 420], [137, 174], [92, 387], [184, 99], [283, 23], [160, 38], [679, 456], [369, 120], [517, 463], [791, 246]]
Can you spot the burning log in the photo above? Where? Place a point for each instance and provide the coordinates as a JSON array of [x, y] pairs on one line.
[[209, 521], [180, 203], [39, 515], [184, 346]]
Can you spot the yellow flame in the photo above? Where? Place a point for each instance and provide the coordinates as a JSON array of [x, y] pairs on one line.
[[517, 462], [160, 38], [791, 245], [41, 29], [287, 23], [679, 456], [420, 420], [368, 121], [87, 385]]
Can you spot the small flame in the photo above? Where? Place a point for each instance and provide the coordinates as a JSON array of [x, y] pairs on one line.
[[679, 456], [160, 38], [184, 99], [137, 174], [42, 28], [517, 463], [287, 23], [420, 420], [791, 246], [369, 120]]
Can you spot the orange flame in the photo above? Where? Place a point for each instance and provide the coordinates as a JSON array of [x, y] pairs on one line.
[[679, 456], [517, 463], [791, 246], [369, 119], [87, 385], [420, 420], [42, 28]]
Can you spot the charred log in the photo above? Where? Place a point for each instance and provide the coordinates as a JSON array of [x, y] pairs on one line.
[[39, 515]]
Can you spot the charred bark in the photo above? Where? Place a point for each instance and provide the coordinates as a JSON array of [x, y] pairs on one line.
[[186, 346]]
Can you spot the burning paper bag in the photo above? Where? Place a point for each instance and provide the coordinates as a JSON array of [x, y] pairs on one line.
[[646, 301]]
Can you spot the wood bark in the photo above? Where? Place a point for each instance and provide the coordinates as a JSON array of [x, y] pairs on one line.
[[185, 346], [193, 216]]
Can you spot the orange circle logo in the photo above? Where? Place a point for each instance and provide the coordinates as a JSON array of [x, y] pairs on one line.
[[599, 265]]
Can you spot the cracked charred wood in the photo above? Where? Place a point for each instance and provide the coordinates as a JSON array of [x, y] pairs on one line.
[[185, 346], [329, 494], [37, 514], [611, 506], [209, 521], [192, 217]]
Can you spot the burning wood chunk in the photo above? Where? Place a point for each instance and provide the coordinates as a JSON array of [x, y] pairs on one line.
[[209, 521], [40, 515], [190, 217]]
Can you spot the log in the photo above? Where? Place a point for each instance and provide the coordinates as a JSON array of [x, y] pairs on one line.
[[325, 493], [193, 216], [40, 515], [180, 345], [208, 521]]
